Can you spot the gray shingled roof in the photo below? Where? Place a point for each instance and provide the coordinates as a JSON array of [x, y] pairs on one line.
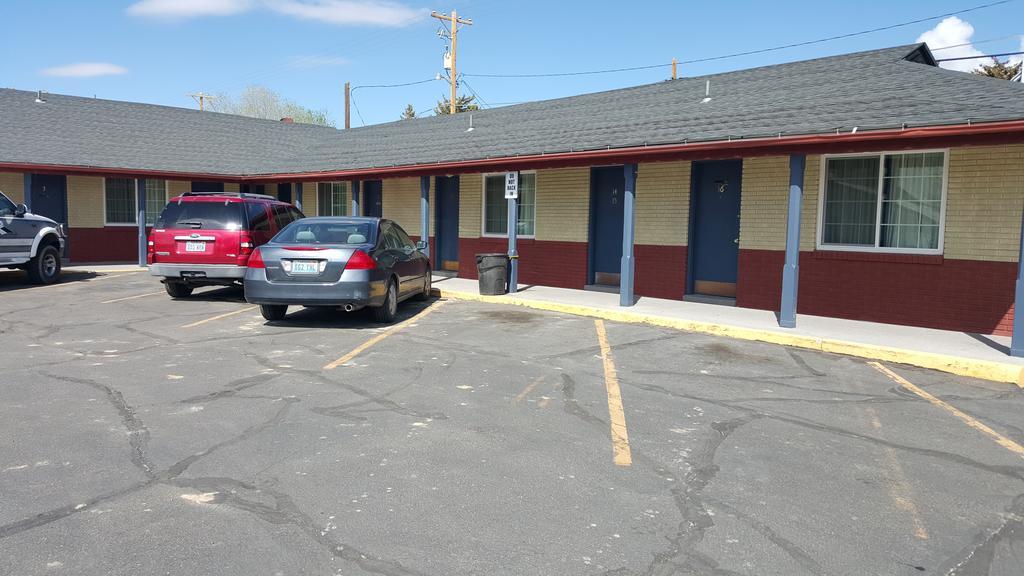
[[870, 90]]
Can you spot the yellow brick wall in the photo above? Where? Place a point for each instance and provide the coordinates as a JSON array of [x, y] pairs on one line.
[[765, 187], [764, 203], [178, 187], [309, 200], [400, 201], [231, 187], [984, 198], [663, 203], [563, 204], [85, 201], [471, 193], [13, 185]]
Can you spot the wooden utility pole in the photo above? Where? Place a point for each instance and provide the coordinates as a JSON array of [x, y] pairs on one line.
[[674, 64], [202, 98], [348, 91], [453, 35]]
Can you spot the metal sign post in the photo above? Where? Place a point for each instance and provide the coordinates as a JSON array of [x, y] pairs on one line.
[[512, 194]]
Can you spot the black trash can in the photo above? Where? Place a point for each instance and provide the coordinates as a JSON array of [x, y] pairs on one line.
[[492, 269]]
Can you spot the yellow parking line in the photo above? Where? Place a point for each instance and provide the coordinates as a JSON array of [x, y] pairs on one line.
[[372, 341], [967, 419], [132, 297], [622, 456], [521, 395], [219, 316], [898, 486]]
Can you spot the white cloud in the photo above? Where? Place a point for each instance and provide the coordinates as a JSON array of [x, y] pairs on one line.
[[85, 70], [307, 62], [954, 32], [180, 9], [349, 12]]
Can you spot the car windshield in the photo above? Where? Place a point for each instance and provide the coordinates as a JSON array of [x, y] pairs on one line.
[[303, 232], [202, 215], [6, 206]]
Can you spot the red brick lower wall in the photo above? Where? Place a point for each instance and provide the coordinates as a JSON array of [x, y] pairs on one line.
[[930, 291], [541, 262], [110, 244], [660, 271]]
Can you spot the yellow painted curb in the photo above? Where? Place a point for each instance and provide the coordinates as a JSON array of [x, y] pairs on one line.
[[983, 369]]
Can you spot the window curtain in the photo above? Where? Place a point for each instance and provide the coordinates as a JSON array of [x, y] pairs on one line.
[[851, 201], [912, 200]]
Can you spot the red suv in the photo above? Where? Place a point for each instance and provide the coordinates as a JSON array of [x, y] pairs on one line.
[[205, 238]]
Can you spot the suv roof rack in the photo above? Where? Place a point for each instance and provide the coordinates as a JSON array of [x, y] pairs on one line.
[[231, 194]]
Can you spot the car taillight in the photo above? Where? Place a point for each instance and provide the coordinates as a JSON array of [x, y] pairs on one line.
[[360, 260], [256, 260], [245, 245], [150, 250]]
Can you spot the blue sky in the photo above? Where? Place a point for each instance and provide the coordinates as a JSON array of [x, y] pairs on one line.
[[159, 51]]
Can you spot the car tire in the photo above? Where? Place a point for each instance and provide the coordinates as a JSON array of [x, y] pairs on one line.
[[45, 267], [425, 295], [273, 312], [385, 313], [177, 289]]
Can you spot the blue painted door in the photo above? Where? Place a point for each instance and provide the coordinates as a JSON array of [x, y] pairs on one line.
[[49, 197], [372, 198], [446, 198], [284, 192], [606, 189], [715, 244]]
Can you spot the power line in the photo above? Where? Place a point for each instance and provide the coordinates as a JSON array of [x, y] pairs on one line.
[[982, 56], [352, 95], [478, 96], [751, 52], [975, 43]]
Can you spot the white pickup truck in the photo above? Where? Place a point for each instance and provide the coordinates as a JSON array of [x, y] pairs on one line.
[[30, 242]]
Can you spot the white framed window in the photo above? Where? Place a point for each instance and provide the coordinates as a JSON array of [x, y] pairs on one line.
[[119, 207], [883, 202], [495, 206], [332, 198], [156, 199]]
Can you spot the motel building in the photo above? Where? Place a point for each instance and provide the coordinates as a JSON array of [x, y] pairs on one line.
[[870, 186]]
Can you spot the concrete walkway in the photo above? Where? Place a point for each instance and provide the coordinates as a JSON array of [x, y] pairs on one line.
[[974, 355]]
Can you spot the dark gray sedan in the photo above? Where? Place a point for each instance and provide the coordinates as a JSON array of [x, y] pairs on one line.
[[347, 263]]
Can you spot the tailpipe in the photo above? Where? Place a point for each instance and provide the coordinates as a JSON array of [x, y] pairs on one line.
[[349, 307]]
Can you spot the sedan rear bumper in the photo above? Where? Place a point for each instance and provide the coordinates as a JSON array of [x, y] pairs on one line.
[[198, 271], [357, 292]]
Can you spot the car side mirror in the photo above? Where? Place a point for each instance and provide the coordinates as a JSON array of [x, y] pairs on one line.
[[421, 245], [20, 210]]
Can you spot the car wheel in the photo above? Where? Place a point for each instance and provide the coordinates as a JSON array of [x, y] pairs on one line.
[[425, 295], [273, 312], [45, 267], [177, 289], [385, 313]]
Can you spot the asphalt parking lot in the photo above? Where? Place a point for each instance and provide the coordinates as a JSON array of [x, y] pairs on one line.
[[142, 435]]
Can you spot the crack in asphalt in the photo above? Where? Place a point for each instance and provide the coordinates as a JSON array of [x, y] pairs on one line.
[[977, 558]]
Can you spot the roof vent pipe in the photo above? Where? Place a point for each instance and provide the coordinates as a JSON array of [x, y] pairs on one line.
[[707, 92], [288, 120], [39, 97], [470, 129]]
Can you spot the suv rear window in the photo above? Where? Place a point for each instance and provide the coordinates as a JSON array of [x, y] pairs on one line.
[[203, 216]]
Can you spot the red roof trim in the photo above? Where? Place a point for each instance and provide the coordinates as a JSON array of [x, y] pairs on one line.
[[990, 133]]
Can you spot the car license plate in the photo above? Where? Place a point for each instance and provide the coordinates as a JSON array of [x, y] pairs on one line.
[[195, 246], [305, 267]]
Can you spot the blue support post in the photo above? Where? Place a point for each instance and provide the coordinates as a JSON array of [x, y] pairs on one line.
[[425, 213], [1017, 342], [297, 195], [355, 198], [513, 254], [626, 281], [791, 269], [28, 191], [140, 193]]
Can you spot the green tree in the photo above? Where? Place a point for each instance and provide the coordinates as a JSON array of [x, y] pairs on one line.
[[462, 104], [409, 112], [262, 102], [1002, 69]]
